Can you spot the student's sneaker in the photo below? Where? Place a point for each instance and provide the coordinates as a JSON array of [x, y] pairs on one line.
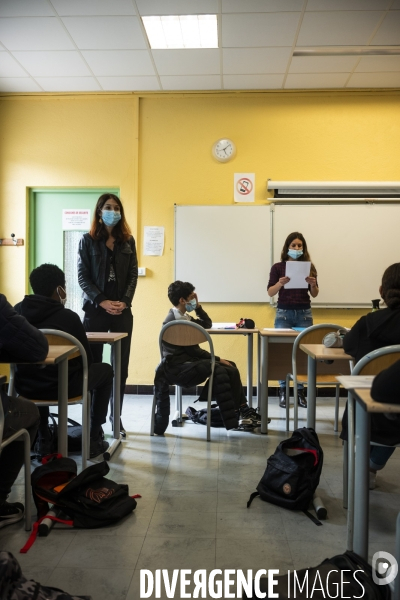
[[98, 446], [11, 512], [249, 416], [372, 480]]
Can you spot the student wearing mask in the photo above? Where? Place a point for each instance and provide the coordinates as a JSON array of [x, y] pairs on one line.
[[107, 274]]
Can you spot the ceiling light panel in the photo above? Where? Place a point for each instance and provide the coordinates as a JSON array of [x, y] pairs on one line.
[[181, 31]]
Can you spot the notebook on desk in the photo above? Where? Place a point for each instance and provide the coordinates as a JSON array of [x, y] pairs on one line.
[[223, 326], [299, 328]]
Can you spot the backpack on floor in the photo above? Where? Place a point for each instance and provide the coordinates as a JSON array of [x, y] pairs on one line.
[[293, 472], [88, 499], [74, 435], [14, 586], [355, 572], [200, 416]]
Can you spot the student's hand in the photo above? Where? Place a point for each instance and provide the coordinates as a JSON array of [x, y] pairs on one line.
[[197, 300], [120, 305], [225, 362], [312, 281], [110, 307], [284, 280]]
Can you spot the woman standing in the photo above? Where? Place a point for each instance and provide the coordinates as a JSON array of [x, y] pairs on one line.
[[107, 274], [294, 305]]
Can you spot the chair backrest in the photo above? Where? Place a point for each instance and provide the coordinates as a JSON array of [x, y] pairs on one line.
[[61, 338], [312, 335], [374, 362], [184, 333]]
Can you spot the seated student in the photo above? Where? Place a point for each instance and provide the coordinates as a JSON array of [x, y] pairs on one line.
[[45, 310], [190, 365], [18, 341], [373, 331]]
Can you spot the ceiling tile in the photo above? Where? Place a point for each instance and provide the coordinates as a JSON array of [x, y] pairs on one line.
[[389, 32], [177, 7], [348, 5], [316, 80], [253, 82], [375, 80], [187, 62], [51, 64], [106, 33], [258, 30], [122, 63], [238, 6], [192, 82], [348, 28], [255, 60], [66, 8], [36, 33], [396, 5], [377, 64], [68, 84], [323, 64], [18, 84], [9, 67], [25, 8], [129, 84]]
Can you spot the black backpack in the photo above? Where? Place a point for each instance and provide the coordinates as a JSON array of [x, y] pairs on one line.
[[293, 472], [348, 563], [200, 416], [74, 435], [88, 499]]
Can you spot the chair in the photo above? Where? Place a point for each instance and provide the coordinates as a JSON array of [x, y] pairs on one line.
[[61, 338], [186, 333], [22, 433], [311, 335], [371, 364]]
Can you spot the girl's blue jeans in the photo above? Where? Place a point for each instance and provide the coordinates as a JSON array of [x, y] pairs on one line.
[[285, 319]]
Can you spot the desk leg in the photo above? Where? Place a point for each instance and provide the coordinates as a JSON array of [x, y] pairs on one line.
[[116, 361], [311, 392], [63, 407], [361, 491], [259, 371], [250, 370], [264, 385], [349, 501]]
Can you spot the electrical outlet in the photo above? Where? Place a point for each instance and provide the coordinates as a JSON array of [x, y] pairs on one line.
[[142, 271]]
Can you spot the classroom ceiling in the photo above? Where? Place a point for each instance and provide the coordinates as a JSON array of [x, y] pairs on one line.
[[101, 45]]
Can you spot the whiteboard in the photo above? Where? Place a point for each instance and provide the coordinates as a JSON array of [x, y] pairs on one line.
[[224, 251], [350, 245]]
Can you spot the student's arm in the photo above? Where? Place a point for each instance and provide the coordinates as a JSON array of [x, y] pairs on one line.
[[19, 340], [313, 283], [275, 282], [386, 385], [202, 318]]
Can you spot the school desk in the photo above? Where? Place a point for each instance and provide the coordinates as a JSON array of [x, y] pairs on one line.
[[114, 339], [249, 333], [316, 353], [57, 355]]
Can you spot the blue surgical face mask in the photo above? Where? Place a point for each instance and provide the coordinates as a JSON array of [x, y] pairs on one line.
[[294, 253], [191, 305], [110, 217]]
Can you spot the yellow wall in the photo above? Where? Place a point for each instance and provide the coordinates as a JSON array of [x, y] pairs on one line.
[[92, 140]]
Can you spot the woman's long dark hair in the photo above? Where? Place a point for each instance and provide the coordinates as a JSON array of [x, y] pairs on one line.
[[296, 235], [391, 286], [121, 231]]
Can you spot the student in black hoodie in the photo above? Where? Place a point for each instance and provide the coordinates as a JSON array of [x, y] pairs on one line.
[[376, 330], [45, 310]]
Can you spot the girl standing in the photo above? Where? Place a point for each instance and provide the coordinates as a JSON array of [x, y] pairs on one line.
[[107, 274], [294, 305]]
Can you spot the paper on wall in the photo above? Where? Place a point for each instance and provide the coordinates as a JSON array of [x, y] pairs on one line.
[[243, 187], [297, 271], [153, 241], [76, 219]]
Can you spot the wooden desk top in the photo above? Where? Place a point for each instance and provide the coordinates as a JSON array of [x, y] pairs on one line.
[[319, 352], [278, 333], [105, 336], [55, 355], [232, 331], [352, 382], [372, 406]]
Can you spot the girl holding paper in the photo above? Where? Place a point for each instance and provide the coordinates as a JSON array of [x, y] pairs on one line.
[[294, 304]]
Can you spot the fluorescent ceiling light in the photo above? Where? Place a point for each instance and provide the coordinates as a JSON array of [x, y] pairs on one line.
[[181, 31], [348, 51]]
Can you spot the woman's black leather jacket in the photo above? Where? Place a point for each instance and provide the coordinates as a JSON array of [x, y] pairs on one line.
[[92, 259]]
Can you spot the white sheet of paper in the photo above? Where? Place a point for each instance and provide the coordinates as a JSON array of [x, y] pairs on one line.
[[278, 329], [351, 382], [223, 326], [153, 241], [297, 271]]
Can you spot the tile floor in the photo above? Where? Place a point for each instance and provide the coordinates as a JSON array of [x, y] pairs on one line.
[[193, 513]]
